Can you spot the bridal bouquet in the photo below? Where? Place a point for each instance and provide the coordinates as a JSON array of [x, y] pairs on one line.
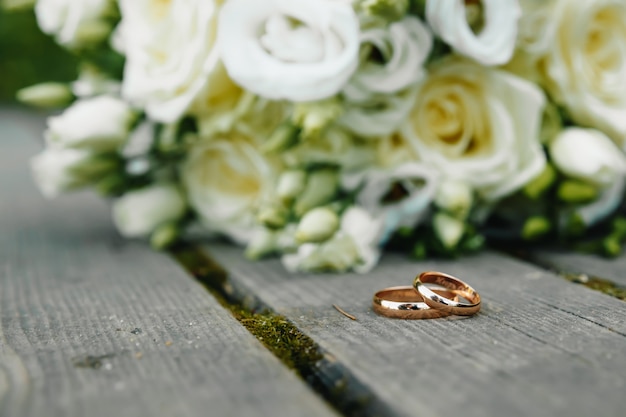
[[324, 130]]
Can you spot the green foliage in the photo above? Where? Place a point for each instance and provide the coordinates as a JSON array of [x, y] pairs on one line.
[[28, 56]]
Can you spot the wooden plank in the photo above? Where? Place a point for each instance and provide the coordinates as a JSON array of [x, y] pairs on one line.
[[577, 263], [540, 345], [93, 325]]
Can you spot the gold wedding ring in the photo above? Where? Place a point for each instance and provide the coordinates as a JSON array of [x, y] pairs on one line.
[[443, 303], [405, 302]]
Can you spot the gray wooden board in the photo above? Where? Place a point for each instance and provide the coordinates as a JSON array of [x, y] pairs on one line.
[[540, 346], [72, 291], [592, 265]]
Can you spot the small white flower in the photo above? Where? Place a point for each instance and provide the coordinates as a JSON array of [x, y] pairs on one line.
[[171, 54], [404, 47], [298, 50], [355, 246], [100, 123], [49, 94], [449, 229], [589, 155], [415, 185], [493, 45], [317, 225], [53, 170], [74, 22], [334, 147], [138, 213], [290, 184], [91, 82], [455, 197]]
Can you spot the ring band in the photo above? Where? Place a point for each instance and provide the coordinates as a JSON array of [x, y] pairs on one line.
[[404, 302], [440, 302]]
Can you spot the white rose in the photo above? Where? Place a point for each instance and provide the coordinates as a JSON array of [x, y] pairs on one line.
[[54, 170], [378, 116], [170, 54], [138, 213], [400, 197], [589, 155], [227, 179], [74, 23], [479, 125], [495, 42], [100, 123], [298, 50], [355, 246], [584, 65]]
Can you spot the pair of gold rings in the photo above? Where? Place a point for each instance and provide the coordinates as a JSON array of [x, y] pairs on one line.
[[433, 295]]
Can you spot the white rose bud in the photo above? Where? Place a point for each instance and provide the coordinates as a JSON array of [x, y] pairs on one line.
[[49, 94], [317, 225], [448, 229], [291, 184], [54, 170], [455, 197], [100, 123], [139, 213], [588, 155], [355, 246]]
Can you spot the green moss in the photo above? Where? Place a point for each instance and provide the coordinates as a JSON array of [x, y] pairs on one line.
[[598, 284], [276, 333], [296, 350]]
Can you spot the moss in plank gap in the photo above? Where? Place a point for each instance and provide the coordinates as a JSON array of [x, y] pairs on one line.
[[295, 349], [598, 284], [595, 283]]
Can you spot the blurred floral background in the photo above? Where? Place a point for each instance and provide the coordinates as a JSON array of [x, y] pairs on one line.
[[27, 56]]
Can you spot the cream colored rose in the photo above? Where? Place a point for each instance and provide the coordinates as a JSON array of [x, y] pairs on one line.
[[404, 46], [171, 54], [74, 23], [585, 65], [227, 179], [298, 50], [479, 125], [493, 44]]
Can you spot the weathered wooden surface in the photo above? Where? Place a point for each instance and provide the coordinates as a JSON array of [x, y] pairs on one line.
[[540, 346], [93, 326], [592, 265]]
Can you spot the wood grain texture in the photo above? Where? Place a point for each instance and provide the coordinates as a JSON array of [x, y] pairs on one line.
[[612, 269], [91, 325], [540, 345]]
